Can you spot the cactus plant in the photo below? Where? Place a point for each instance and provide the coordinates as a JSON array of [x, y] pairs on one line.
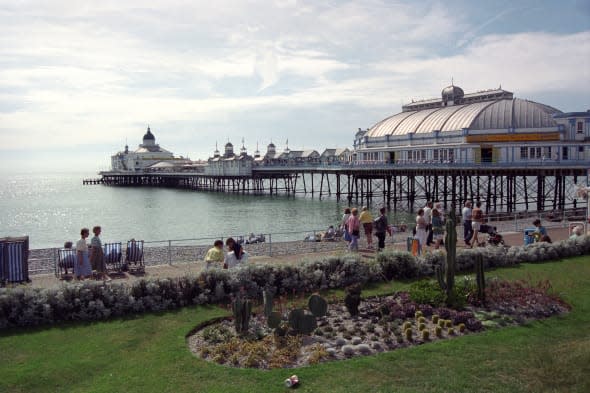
[[448, 323], [425, 335], [461, 327], [274, 320], [406, 325], [353, 299], [418, 314], [267, 297], [435, 318], [242, 310], [421, 326], [408, 333], [317, 305], [451, 263], [302, 323], [480, 279], [438, 331], [451, 332], [421, 320]]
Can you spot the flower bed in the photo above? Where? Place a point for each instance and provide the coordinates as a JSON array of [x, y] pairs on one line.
[[383, 324]]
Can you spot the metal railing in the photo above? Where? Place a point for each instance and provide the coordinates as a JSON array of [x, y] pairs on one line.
[[173, 251]]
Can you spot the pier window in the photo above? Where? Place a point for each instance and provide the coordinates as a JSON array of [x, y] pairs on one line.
[[524, 153], [580, 128]]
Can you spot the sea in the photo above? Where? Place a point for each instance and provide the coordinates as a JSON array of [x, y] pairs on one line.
[[51, 208]]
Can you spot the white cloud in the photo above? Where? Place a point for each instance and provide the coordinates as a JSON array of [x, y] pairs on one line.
[[75, 73]]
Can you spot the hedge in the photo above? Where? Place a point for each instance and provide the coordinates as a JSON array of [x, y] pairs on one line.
[[90, 301]]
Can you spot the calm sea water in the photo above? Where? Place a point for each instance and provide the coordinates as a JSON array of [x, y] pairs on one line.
[[52, 208]]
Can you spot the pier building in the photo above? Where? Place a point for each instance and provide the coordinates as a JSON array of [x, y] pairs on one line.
[[148, 156], [512, 154], [490, 126]]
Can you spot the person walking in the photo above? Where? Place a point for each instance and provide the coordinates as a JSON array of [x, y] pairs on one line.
[[353, 225], [97, 255], [438, 228], [344, 226], [428, 219], [421, 233], [381, 226], [366, 220], [477, 220], [466, 215], [82, 268]]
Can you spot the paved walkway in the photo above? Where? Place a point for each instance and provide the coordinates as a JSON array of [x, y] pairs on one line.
[[181, 269]]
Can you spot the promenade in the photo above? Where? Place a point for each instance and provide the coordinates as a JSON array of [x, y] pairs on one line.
[[288, 253]]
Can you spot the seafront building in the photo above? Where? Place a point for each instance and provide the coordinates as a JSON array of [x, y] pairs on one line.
[[485, 127]]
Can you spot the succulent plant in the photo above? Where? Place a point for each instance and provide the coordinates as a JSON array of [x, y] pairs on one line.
[[447, 283], [448, 323], [421, 320], [273, 320], [418, 314], [441, 323], [480, 278], [407, 325], [317, 305], [242, 310], [408, 334], [461, 327], [421, 326], [435, 318], [425, 335], [438, 331], [267, 297], [353, 299], [451, 332]]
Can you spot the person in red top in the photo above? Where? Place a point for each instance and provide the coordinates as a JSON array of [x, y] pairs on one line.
[[353, 225]]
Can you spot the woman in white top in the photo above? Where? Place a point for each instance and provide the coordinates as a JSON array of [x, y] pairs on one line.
[[421, 233], [82, 268]]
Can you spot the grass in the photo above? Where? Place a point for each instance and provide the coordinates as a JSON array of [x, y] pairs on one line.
[[149, 354]]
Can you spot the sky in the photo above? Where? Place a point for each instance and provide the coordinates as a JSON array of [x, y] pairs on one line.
[[80, 79]]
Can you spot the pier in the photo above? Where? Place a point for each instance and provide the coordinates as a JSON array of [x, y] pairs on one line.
[[503, 188]]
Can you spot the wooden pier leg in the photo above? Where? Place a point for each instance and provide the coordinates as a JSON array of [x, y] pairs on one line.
[[337, 187]]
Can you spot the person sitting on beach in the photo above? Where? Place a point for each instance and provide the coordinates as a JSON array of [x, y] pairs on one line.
[[69, 260], [214, 256], [577, 231], [330, 234], [540, 233]]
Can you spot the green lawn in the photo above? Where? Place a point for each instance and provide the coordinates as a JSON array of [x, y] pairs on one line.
[[148, 354]]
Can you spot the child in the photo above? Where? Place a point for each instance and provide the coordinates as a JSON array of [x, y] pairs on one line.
[[214, 257]]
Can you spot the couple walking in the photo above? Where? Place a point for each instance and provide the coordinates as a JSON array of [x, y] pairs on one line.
[[90, 258], [351, 224], [472, 221]]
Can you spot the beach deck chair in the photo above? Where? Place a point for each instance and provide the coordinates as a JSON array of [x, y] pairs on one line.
[[112, 256], [66, 258], [14, 259], [134, 255]]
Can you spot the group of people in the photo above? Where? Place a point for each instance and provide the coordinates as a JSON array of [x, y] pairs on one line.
[[351, 226], [216, 258], [430, 225], [473, 219], [88, 257]]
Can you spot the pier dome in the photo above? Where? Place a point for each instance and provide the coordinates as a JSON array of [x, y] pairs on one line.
[[487, 110]]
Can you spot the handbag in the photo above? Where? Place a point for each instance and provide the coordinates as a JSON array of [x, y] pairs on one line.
[[347, 236]]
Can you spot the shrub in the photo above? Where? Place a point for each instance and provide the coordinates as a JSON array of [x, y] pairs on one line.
[[426, 292]]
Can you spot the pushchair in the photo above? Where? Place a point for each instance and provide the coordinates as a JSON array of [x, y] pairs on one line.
[[494, 237]]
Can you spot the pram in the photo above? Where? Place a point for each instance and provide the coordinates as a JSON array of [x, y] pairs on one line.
[[494, 237]]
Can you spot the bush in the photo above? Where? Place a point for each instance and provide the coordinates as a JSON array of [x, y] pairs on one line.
[[90, 301], [426, 292]]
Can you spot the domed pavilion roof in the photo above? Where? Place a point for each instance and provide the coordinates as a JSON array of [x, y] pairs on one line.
[[487, 113]]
